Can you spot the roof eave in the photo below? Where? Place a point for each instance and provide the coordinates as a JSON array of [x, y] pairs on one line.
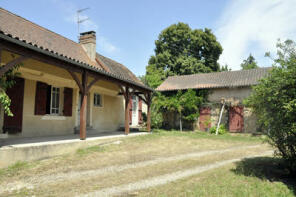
[[71, 61], [202, 88]]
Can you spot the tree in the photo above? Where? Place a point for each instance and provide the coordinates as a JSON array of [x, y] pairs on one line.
[[274, 103], [181, 51], [184, 103], [225, 68], [143, 79], [249, 63], [7, 81]]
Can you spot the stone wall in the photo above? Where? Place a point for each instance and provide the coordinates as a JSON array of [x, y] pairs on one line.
[[232, 96]]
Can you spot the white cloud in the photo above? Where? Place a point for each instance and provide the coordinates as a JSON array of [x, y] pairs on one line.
[[70, 15], [253, 27]]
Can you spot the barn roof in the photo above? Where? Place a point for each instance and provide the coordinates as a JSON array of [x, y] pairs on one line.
[[238, 78]]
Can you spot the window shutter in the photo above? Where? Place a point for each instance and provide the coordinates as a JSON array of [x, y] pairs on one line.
[[68, 99], [40, 98], [140, 111], [131, 110]]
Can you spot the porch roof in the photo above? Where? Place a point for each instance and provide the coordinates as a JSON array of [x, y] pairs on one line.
[[19, 31]]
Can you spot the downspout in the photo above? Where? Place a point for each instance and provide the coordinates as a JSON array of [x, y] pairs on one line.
[[220, 117]]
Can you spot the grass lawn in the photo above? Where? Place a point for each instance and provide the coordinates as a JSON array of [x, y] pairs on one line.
[[134, 159], [259, 177]]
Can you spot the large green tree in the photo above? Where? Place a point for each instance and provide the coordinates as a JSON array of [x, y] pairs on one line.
[[181, 50], [274, 102], [249, 63]]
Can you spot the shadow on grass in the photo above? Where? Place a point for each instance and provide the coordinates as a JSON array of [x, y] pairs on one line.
[[266, 168]]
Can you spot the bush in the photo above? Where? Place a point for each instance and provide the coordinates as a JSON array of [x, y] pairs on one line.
[[274, 102], [222, 130]]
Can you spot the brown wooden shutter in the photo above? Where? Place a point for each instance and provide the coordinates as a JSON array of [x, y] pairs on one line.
[[131, 110], [13, 124], [140, 112], [40, 98], [68, 100], [204, 116]]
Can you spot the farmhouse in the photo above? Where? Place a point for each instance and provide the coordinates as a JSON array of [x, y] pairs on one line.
[[64, 86], [227, 90]]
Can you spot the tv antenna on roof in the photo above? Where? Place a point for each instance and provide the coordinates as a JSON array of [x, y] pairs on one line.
[[79, 21]]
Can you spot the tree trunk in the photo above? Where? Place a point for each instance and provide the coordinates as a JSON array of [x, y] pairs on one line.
[[180, 121]]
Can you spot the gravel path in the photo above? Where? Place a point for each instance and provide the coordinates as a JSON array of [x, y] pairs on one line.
[[164, 179], [36, 181]]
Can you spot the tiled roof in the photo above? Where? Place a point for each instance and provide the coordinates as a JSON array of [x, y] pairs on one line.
[[117, 68], [35, 35], [214, 80]]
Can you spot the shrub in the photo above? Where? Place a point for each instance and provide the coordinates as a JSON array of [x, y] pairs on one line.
[[222, 130], [274, 102]]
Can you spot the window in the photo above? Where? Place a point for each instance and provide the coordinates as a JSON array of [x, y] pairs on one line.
[[134, 104], [53, 100], [97, 100]]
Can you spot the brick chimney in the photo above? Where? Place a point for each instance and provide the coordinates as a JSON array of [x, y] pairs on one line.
[[88, 42]]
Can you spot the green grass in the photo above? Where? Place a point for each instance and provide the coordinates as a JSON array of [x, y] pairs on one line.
[[91, 149], [262, 177], [199, 134], [14, 169]]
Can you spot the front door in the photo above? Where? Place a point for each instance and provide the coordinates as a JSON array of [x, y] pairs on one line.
[[134, 110], [13, 124], [236, 119], [204, 118]]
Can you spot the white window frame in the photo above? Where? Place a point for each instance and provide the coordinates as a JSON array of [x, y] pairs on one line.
[[55, 94], [101, 100]]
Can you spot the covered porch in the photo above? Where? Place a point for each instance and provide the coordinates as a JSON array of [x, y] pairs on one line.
[[81, 76]]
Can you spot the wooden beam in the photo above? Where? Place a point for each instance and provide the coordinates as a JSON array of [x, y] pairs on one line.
[[92, 83], [83, 106], [37, 56], [76, 79], [122, 91], [83, 117], [11, 64], [143, 99], [60, 63], [149, 100], [127, 109]]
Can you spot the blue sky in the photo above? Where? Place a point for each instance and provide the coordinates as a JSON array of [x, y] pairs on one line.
[[126, 30]]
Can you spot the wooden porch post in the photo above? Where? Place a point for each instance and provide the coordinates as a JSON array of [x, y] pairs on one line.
[[83, 107], [127, 109], [84, 90], [127, 96], [148, 99]]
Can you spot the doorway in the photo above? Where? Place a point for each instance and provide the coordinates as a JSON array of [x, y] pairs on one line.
[[236, 119], [13, 124], [134, 110]]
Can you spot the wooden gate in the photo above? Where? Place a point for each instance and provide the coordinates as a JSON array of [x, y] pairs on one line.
[[13, 124], [204, 118], [236, 119]]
